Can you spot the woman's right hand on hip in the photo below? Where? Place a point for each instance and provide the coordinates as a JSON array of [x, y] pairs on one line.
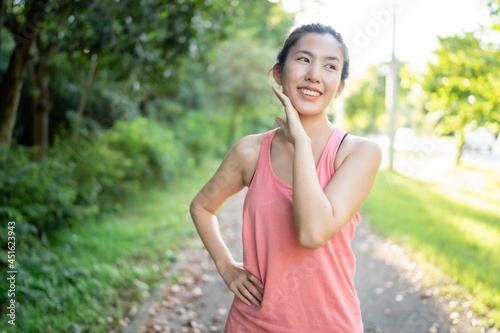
[[242, 283]]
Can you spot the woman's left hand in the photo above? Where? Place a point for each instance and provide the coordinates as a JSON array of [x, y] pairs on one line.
[[292, 128]]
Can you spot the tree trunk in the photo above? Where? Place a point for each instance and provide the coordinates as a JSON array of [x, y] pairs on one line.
[[9, 96], [12, 79], [83, 98], [40, 130], [460, 147], [2, 19], [39, 77]]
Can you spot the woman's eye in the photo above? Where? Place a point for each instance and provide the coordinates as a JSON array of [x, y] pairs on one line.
[[304, 59], [330, 67]]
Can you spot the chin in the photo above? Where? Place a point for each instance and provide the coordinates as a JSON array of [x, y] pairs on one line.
[[309, 109], [309, 112]]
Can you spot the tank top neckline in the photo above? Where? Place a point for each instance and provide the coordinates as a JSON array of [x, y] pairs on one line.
[[271, 136]]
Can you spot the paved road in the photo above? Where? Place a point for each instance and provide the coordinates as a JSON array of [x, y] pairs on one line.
[[388, 285]]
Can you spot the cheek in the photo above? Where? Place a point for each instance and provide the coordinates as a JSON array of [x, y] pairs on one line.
[[291, 73], [334, 83], [286, 83]]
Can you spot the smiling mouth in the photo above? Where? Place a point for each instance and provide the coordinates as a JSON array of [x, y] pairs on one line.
[[310, 92]]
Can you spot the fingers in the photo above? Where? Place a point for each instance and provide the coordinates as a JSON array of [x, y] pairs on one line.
[[254, 279], [244, 287], [250, 293], [282, 97], [290, 111], [281, 123]]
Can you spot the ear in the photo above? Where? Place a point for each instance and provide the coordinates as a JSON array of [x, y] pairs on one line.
[[277, 74], [340, 89]]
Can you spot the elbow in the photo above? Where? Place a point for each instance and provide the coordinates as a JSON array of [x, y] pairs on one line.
[[194, 207], [313, 238], [313, 231], [310, 242], [198, 210]]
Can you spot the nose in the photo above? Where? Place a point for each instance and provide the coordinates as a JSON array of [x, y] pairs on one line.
[[314, 74]]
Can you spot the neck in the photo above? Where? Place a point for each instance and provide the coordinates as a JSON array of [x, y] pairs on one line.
[[316, 127]]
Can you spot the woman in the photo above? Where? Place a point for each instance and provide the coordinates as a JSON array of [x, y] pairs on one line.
[[306, 181]]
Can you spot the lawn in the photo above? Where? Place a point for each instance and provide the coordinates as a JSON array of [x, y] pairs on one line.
[[452, 222], [88, 278]]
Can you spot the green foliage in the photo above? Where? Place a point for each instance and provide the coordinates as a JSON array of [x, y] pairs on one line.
[[365, 102], [100, 172], [39, 195], [240, 82], [463, 87], [365, 105], [494, 7], [80, 277], [200, 133], [136, 154]]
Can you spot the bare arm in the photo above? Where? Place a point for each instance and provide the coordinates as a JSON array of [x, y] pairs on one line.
[[319, 214], [228, 180]]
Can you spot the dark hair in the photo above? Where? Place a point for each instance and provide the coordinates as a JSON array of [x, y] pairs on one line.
[[318, 28]]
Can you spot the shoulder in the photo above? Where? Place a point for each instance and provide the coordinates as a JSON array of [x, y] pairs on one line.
[[359, 148], [247, 148], [245, 153]]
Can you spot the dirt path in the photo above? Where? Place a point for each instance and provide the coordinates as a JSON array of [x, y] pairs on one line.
[[387, 282]]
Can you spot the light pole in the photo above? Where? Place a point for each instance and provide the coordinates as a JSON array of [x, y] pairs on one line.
[[391, 95]]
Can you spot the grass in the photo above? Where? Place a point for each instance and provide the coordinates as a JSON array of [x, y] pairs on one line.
[[456, 230], [87, 279]]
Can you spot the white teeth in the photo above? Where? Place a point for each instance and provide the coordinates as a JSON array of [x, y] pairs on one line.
[[310, 92]]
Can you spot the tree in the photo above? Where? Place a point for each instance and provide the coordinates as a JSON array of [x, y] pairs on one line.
[[3, 3], [240, 65], [132, 39], [39, 74], [494, 7], [463, 87], [10, 87], [366, 101]]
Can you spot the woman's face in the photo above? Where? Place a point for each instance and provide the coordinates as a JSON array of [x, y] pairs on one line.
[[311, 74]]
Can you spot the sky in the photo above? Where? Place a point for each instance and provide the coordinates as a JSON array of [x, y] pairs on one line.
[[367, 26]]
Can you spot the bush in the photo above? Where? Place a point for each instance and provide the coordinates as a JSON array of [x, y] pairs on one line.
[[127, 158], [38, 196], [75, 182], [201, 135]]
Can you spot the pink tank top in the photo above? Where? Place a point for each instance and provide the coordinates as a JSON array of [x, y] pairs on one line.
[[304, 290]]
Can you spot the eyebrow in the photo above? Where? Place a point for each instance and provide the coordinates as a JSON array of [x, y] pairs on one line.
[[311, 55]]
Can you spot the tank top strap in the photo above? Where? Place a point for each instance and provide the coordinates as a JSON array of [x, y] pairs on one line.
[[332, 147], [266, 145], [265, 148]]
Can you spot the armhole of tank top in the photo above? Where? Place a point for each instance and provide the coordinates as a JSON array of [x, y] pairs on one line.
[[340, 144], [338, 148], [258, 162], [251, 179]]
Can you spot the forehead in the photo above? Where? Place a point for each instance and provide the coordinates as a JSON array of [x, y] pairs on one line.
[[320, 45]]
